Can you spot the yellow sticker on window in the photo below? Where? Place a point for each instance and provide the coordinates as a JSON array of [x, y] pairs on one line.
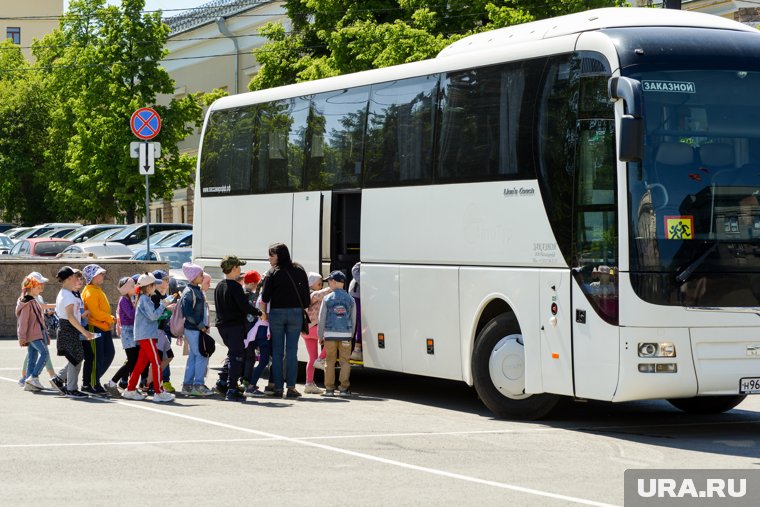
[[679, 227]]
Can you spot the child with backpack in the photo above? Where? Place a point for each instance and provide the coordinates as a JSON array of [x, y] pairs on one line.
[[192, 309], [337, 321], [31, 331], [146, 334], [126, 318], [316, 295]]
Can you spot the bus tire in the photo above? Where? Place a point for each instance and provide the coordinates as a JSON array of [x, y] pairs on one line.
[[503, 331], [707, 404]]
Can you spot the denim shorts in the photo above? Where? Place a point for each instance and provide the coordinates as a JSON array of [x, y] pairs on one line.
[[128, 337]]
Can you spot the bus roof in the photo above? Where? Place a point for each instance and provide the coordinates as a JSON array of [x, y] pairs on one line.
[[487, 45], [596, 19]]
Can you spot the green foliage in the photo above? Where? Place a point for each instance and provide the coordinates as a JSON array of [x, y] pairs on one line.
[[100, 66], [333, 37], [23, 120]]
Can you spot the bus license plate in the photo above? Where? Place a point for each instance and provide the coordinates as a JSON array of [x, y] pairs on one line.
[[749, 385]]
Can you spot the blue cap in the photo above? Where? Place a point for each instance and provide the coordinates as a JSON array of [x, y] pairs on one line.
[[338, 276], [160, 274]]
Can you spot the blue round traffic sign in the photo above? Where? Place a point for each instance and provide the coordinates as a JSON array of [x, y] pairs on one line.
[[145, 123]]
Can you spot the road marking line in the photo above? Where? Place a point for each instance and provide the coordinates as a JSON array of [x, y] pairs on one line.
[[361, 455], [370, 457], [317, 437]]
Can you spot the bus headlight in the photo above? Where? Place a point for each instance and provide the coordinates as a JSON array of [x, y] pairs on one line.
[[666, 349]]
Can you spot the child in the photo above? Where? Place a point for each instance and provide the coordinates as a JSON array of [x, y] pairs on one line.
[[311, 339], [250, 288], [51, 331], [259, 338], [193, 303], [31, 331], [354, 292], [337, 320], [68, 309], [126, 319], [99, 354], [164, 347], [146, 333]]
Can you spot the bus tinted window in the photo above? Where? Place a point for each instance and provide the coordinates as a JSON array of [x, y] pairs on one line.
[[400, 132], [226, 157], [336, 138], [279, 145], [485, 122]]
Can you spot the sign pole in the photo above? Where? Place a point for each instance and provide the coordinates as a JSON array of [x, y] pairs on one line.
[[147, 197]]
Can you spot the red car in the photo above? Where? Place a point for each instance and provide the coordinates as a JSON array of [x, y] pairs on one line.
[[39, 247]]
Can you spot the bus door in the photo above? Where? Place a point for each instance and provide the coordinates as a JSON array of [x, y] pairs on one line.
[[306, 242], [345, 230], [595, 252]]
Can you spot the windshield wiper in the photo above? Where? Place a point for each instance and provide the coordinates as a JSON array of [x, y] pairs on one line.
[[686, 273]]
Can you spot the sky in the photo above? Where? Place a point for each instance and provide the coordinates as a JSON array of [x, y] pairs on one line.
[[153, 5]]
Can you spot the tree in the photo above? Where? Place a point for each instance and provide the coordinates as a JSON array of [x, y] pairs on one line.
[[23, 122], [101, 65], [333, 37]]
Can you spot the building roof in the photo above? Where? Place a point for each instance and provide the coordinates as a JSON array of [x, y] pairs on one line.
[[208, 13]]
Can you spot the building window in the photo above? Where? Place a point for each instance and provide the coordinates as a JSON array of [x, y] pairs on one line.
[[14, 34], [183, 218], [159, 215]]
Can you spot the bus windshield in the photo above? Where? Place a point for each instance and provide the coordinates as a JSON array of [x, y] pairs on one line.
[[694, 208]]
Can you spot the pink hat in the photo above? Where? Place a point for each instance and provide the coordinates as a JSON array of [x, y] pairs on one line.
[[191, 271]]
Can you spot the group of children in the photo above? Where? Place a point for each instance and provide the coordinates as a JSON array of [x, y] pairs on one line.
[[142, 323]]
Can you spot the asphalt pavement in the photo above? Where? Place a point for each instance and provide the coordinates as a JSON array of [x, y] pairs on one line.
[[401, 440]]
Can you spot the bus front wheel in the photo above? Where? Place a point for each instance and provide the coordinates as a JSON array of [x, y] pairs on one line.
[[498, 371], [707, 404]]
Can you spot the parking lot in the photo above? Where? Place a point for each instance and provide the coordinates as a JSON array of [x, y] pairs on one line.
[[402, 440]]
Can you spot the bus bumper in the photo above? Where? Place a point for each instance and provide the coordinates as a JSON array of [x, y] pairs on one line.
[[707, 362]]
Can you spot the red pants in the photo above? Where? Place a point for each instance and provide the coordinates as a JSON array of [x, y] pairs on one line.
[[148, 355]]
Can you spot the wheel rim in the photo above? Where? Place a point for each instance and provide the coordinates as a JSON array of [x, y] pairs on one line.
[[506, 367]]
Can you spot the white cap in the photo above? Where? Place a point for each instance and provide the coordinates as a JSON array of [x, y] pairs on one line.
[[38, 276], [145, 280]]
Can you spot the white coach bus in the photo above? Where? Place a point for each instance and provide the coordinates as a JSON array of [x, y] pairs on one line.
[[563, 208]]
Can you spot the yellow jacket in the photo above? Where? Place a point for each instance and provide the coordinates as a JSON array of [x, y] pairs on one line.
[[96, 302]]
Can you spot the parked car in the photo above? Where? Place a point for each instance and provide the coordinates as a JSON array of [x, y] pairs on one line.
[[58, 232], [176, 239], [39, 247], [5, 244], [99, 249], [175, 257], [155, 239], [5, 227], [106, 235], [37, 230], [135, 233], [88, 232], [16, 232]]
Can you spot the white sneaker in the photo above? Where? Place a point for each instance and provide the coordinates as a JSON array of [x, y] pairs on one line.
[[356, 355], [163, 397], [312, 389], [133, 395], [34, 382], [21, 382], [187, 389], [319, 364], [113, 389]]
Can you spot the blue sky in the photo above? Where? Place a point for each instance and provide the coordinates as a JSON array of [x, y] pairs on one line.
[[165, 5]]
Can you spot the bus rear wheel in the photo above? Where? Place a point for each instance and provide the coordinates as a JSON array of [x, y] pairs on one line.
[[707, 404], [498, 370]]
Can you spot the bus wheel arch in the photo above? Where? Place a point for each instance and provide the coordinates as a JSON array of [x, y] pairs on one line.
[[498, 371]]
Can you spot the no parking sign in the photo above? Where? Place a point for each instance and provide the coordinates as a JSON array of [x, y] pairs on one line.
[[145, 123]]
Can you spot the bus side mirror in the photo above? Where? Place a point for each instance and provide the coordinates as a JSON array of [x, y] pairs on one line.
[[630, 139], [631, 133]]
